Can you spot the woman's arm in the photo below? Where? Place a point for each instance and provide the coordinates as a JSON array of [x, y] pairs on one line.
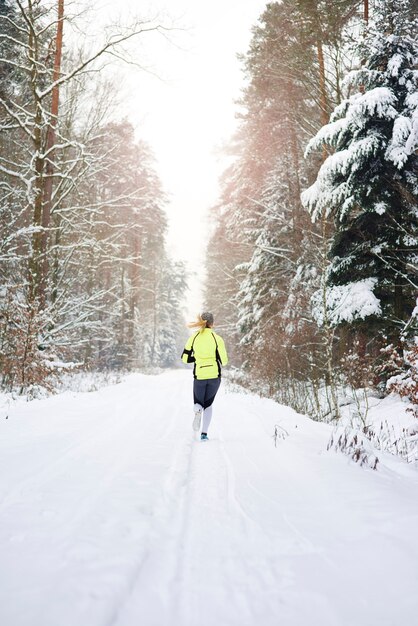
[[186, 356], [222, 351]]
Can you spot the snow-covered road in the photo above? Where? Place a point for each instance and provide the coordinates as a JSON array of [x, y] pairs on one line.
[[113, 514]]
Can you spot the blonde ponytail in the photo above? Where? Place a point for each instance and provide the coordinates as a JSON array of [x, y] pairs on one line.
[[198, 324], [204, 320]]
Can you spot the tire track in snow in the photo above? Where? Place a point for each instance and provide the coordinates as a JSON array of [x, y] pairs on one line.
[[162, 433], [162, 534], [228, 567], [177, 575], [160, 565]]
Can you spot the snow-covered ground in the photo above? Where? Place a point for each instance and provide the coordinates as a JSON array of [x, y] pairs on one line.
[[112, 513]]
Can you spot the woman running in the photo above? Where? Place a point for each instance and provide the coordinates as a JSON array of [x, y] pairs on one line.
[[207, 351]]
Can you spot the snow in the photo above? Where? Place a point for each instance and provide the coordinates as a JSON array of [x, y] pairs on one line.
[[346, 303], [326, 193], [353, 112], [328, 134], [113, 514], [395, 64], [378, 102], [396, 150], [405, 133], [380, 208], [389, 420], [415, 311]]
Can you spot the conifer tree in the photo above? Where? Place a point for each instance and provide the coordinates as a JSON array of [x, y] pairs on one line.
[[369, 184]]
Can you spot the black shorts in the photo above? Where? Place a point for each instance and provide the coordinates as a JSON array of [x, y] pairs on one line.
[[204, 391]]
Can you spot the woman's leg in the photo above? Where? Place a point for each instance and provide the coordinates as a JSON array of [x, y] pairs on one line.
[[199, 390], [210, 393], [198, 411], [207, 416], [211, 390], [199, 400]]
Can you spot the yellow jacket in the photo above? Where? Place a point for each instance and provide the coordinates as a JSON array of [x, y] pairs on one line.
[[207, 351]]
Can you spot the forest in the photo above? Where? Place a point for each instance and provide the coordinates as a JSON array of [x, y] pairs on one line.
[[313, 240], [85, 278], [314, 243]]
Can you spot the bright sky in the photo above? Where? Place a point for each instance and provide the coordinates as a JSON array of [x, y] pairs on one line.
[[187, 112]]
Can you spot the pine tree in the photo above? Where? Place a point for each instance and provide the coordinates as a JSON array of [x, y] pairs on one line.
[[369, 183]]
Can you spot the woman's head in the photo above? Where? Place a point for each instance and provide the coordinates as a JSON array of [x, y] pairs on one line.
[[208, 318], [204, 320]]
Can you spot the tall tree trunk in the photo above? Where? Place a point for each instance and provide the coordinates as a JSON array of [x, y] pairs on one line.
[[34, 264], [154, 317], [135, 282], [329, 331], [366, 23], [323, 98], [296, 204], [294, 176], [50, 143]]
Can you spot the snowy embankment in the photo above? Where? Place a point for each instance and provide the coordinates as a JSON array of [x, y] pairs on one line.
[[111, 513]]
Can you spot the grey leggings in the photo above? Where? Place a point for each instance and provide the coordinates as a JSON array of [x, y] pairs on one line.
[[204, 392]]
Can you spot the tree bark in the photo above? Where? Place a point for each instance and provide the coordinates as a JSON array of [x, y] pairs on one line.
[[34, 265], [50, 142], [323, 99]]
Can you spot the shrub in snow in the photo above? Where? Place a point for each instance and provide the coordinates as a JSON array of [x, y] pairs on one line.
[[355, 444], [27, 364], [389, 363], [279, 433], [369, 181], [403, 443], [23, 364]]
